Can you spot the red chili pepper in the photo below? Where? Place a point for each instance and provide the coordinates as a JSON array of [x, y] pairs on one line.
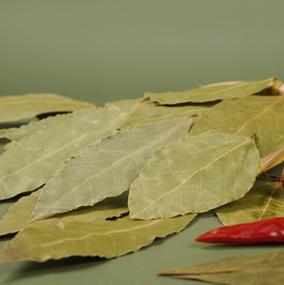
[[260, 232]]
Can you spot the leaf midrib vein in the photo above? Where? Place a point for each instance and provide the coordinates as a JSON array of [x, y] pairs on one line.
[[49, 155], [194, 173], [168, 133]]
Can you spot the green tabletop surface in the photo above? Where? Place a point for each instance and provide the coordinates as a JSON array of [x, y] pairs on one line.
[[104, 50]]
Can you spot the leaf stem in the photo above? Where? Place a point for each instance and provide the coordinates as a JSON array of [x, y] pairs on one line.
[[271, 160]]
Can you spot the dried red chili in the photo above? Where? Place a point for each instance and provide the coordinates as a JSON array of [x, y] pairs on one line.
[[260, 232]]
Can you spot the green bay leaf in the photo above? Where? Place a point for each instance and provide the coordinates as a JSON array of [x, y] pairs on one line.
[[108, 168], [262, 202], [212, 92], [193, 175], [261, 269], [259, 115], [60, 238], [16, 108], [35, 159]]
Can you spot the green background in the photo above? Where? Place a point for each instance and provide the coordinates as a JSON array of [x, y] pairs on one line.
[[108, 50]]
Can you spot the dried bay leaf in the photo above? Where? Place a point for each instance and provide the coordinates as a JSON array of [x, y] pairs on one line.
[[16, 134], [35, 159], [107, 169], [60, 238], [113, 207], [259, 115], [149, 113], [19, 214], [262, 202], [193, 175], [261, 269], [146, 114], [212, 92], [15, 108]]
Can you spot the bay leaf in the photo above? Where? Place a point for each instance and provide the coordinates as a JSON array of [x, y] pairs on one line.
[[193, 175], [146, 113], [149, 113], [273, 89], [35, 159], [60, 238], [261, 269], [259, 115], [107, 169], [16, 134], [212, 92], [261, 202], [23, 131], [20, 107], [19, 214]]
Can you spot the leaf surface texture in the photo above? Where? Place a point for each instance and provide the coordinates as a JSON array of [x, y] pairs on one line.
[[259, 115], [193, 175], [59, 238], [19, 214], [44, 152], [107, 169]]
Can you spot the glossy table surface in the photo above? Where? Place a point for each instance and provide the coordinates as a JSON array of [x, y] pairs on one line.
[[109, 50]]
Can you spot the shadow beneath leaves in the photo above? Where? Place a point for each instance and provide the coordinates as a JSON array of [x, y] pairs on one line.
[[207, 215], [29, 269], [6, 237], [242, 247], [16, 124], [4, 141], [51, 114], [215, 249], [10, 201]]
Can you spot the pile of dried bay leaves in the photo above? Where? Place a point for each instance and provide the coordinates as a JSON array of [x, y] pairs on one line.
[[107, 180]]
